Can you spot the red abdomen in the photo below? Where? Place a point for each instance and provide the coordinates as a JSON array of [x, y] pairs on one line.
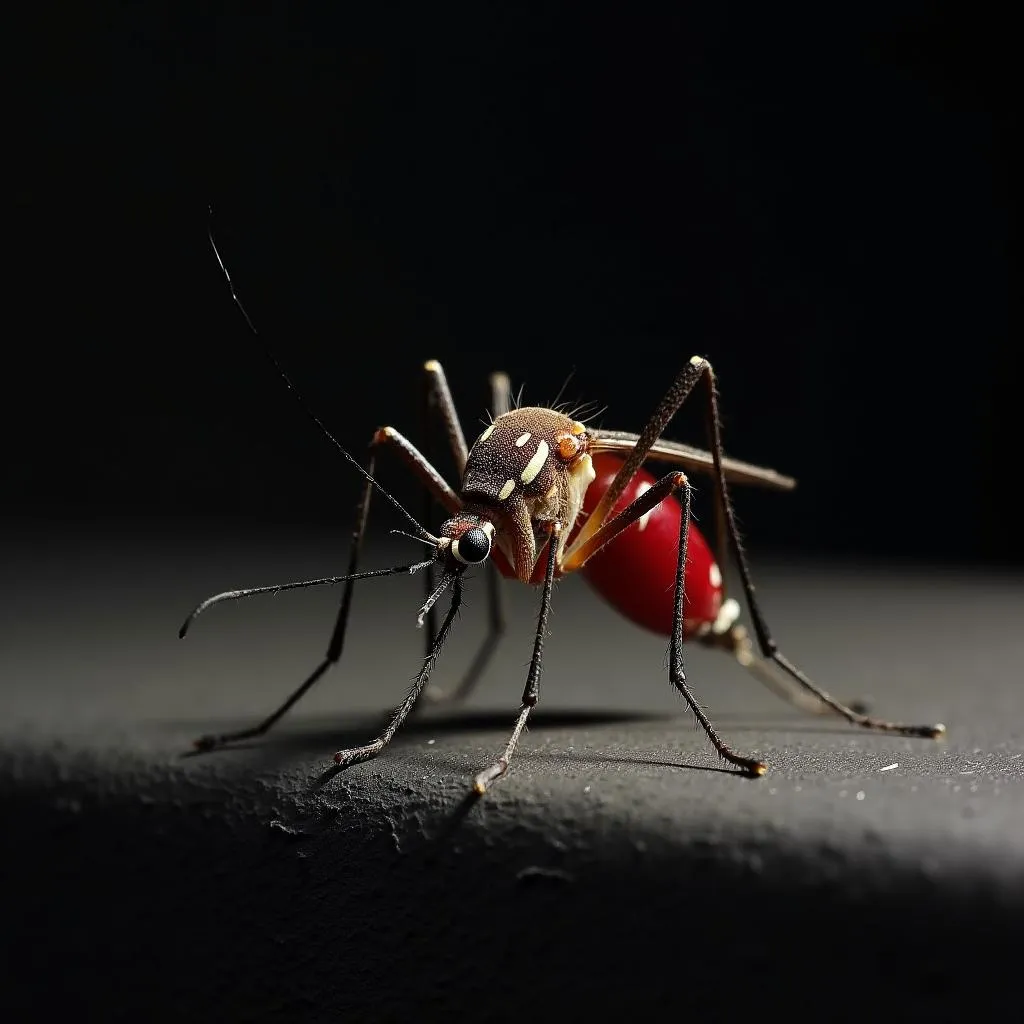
[[636, 572]]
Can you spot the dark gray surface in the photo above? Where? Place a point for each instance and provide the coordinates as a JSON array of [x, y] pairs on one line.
[[616, 869]]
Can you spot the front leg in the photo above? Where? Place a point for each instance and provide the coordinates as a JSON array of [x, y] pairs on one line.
[[386, 438], [356, 755], [531, 694]]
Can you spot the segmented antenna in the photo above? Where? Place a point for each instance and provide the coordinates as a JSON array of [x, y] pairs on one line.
[[420, 531]]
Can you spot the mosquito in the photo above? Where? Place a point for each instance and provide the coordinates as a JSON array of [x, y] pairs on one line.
[[543, 495]]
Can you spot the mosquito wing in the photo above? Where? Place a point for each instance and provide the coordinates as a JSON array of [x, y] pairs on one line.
[[736, 472]]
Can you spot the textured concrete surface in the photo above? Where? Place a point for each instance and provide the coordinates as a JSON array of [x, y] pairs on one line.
[[617, 869]]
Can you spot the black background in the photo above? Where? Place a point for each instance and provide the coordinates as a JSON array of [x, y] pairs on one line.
[[818, 199]]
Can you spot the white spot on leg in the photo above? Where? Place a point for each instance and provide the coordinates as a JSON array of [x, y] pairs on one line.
[[641, 523], [727, 616], [506, 490], [715, 575], [536, 464], [696, 360], [522, 439]]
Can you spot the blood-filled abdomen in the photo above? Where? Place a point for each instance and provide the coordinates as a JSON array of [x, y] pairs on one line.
[[636, 572]]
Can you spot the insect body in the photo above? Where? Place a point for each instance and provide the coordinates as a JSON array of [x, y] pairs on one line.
[[636, 573], [540, 496], [517, 479]]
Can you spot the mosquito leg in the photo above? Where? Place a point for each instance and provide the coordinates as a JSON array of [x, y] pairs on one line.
[[700, 369], [634, 459], [781, 685], [672, 484], [501, 402], [386, 437], [650, 499], [437, 400], [440, 399], [677, 671], [429, 578], [695, 371], [501, 394], [485, 652], [735, 640], [531, 693], [726, 634], [347, 758]]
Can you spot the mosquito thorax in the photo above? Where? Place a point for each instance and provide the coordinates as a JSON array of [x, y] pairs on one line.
[[521, 453], [531, 466]]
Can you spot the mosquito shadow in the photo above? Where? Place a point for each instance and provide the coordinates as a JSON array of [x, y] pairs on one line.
[[542, 718], [326, 775], [597, 758], [448, 826], [297, 738], [825, 725], [304, 735], [318, 738]]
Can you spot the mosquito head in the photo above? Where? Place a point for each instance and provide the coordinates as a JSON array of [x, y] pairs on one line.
[[531, 466], [467, 539]]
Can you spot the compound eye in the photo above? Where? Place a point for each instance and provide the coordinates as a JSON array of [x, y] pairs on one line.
[[473, 546]]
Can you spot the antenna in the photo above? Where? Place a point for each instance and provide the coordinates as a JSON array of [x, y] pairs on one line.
[[422, 533]]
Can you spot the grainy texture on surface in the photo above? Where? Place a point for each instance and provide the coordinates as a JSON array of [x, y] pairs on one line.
[[617, 868]]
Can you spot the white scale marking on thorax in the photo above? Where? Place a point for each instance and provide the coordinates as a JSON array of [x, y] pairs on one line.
[[536, 464]]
